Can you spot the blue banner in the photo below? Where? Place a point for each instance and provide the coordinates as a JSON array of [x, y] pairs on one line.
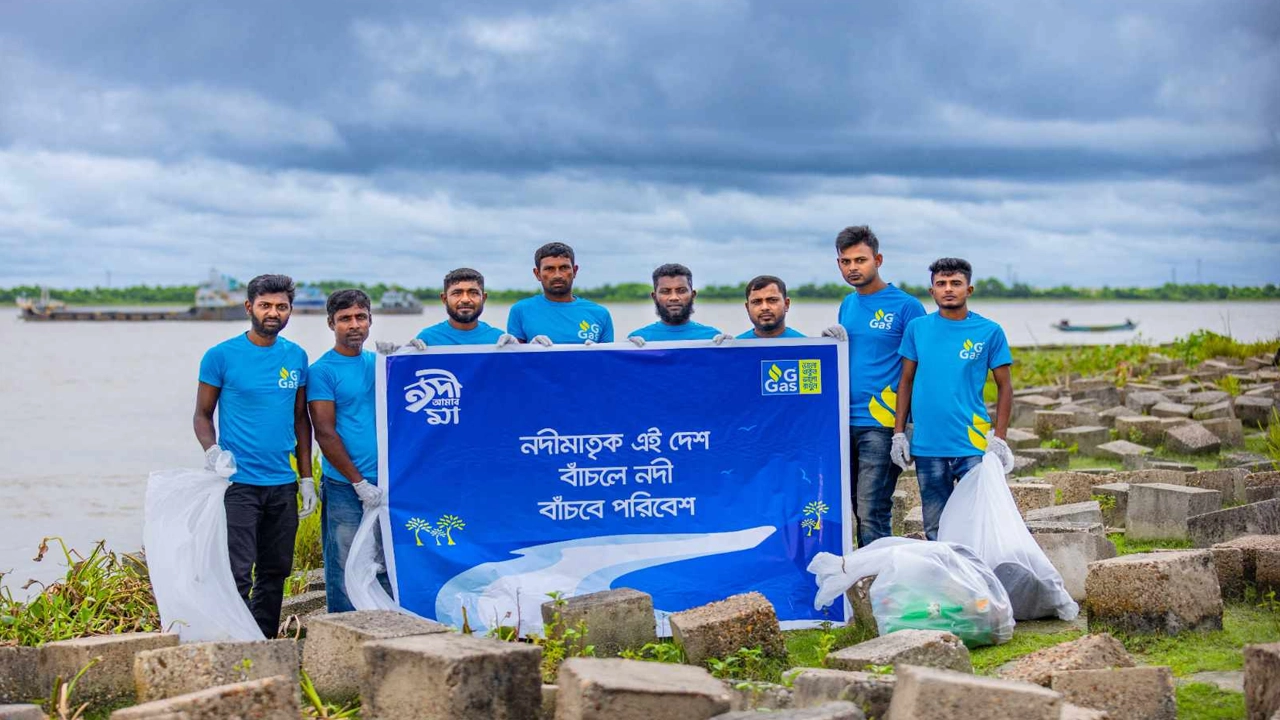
[[685, 470]]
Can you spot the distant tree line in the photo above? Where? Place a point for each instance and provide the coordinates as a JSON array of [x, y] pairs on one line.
[[639, 292]]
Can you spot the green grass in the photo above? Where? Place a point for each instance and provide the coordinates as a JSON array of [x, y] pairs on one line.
[[987, 659], [1201, 701], [1243, 623], [802, 645], [1124, 546]]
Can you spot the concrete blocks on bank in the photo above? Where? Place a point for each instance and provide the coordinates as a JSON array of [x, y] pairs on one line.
[[926, 648], [332, 655], [1191, 439], [274, 698], [1228, 481], [173, 671], [613, 689], [827, 711], [111, 677], [1160, 512], [721, 628], [1088, 511], [870, 691], [932, 694], [1141, 693], [1260, 518], [1262, 680], [1090, 652], [19, 681], [1086, 437], [1165, 592], [615, 619]]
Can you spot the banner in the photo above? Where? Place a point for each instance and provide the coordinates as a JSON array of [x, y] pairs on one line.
[[685, 470]]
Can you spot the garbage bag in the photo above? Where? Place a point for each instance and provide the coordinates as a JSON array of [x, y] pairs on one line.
[[921, 585], [364, 564], [185, 538], [982, 515]]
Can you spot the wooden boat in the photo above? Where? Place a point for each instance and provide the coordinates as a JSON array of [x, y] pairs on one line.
[[1066, 326]]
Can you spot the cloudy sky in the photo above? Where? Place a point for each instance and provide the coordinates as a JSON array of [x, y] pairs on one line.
[[1086, 142]]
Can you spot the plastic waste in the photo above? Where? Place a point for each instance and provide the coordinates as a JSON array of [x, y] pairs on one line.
[[365, 563], [982, 515], [921, 585], [185, 537]]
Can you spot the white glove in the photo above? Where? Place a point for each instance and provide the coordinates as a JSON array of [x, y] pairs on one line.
[[370, 495], [308, 488], [838, 332], [542, 340], [386, 347], [900, 453], [506, 339], [721, 338], [222, 462], [589, 342], [1002, 451], [636, 340], [418, 344]]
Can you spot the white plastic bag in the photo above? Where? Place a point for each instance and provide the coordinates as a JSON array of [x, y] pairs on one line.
[[921, 585], [982, 515], [364, 564], [185, 539]]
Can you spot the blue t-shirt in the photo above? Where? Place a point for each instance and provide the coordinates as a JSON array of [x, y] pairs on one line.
[[875, 324], [574, 322], [751, 334], [689, 330], [348, 383], [953, 358], [255, 408], [446, 334]]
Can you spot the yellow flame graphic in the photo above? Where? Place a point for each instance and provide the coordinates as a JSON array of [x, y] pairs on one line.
[[880, 314], [968, 344], [775, 373], [583, 325], [284, 374]]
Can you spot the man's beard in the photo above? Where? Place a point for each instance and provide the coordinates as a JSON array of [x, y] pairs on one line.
[[260, 328], [770, 326], [674, 317], [457, 316]]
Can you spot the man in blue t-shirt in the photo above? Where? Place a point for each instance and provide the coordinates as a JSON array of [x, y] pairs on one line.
[[555, 315], [673, 297], [256, 381], [945, 360], [767, 306], [874, 317], [340, 394], [464, 298]]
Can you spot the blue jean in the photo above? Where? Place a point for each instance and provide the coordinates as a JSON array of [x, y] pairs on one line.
[[937, 478], [875, 477], [340, 514]]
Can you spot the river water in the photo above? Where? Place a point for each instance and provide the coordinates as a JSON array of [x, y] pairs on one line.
[[87, 409]]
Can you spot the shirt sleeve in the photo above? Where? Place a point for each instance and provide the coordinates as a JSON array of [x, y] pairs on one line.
[[213, 367], [912, 310], [999, 355], [302, 374], [515, 323], [321, 387], [908, 347], [606, 331]]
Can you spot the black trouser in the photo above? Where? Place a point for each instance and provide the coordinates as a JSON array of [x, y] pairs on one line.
[[261, 524]]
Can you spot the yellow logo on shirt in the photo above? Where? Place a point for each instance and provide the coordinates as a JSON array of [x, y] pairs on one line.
[[588, 331], [881, 320], [971, 350], [288, 379], [978, 432], [883, 408]]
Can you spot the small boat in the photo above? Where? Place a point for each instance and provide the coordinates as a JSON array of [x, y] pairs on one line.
[[218, 298], [1066, 326], [309, 300], [398, 302]]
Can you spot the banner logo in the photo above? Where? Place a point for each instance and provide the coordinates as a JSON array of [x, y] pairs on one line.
[[791, 377], [438, 393]]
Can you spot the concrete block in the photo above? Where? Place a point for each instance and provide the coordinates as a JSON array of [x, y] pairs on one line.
[[1121, 449], [1191, 439], [1262, 680], [1142, 693], [612, 689], [870, 691], [616, 619], [24, 711], [1227, 481], [1230, 431], [1047, 422], [1142, 401], [1142, 429], [1106, 396], [1086, 437], [452, 677], [1259, 494], [1048, 457], [1073, 487], [1108, 416], [1168, 592], [173, 671], [760, 696], [1259, 555], [1216, 411], [111, 679], [926, 648], [910, 485], [1266, 478], [1171, 410], [312, 602], [1240, 459], [829, 711], [1025, 464], [1075, 712], [1088, 511], [1025, 407], [1116, 511], [19, 681], [274, 698], [332, 655], [913, 523], [898, 512], [1205, 398], [548, 709], [1160, 512], [1070, 554], [932, 694], [1261, 518], [1020, 439], [1228, 563], [1150, 475], [859, 595], [720, 628], [1031, 496], [1254, 411], [1090, 652]]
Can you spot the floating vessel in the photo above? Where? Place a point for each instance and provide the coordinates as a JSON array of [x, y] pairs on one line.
[[309, 300], [218, 298], [1066, 326], [398, 302]]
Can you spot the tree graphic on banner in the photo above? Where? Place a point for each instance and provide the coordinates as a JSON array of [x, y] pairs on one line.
[[809, 524], [449, 523], [417, 525], [817, 508]]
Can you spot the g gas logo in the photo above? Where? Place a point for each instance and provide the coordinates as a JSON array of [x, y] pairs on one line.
[[971, 350], [882, 320], [588, 331], [288, 379], [791, 377]]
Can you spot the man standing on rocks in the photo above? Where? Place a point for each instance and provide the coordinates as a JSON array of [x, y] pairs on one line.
[[673, 297], [874, 317], [767, 306], [945, 360], [257, 383], [556, 315], [341, 396]]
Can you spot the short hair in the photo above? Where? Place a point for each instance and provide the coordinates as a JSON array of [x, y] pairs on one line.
[[553, 250], [463, 275], [347, 298], [269, 285], [951, 266], [761, 282], [857, 235], [672, 270]]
